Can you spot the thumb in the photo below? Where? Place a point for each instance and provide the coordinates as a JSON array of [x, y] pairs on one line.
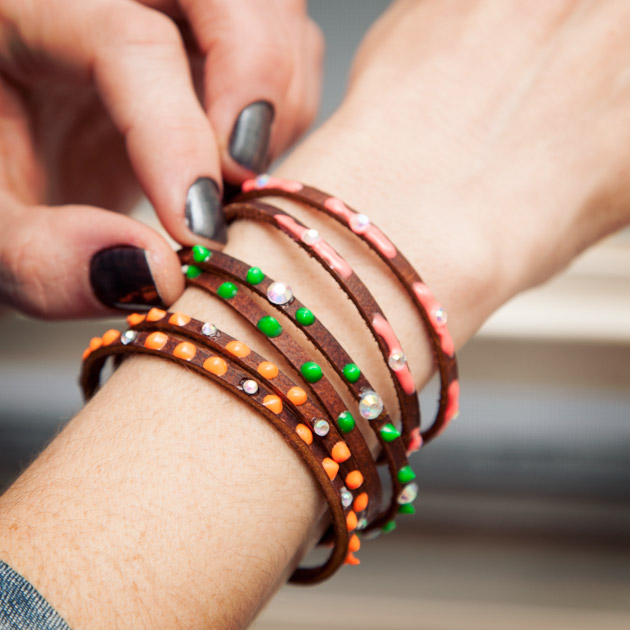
[[79, 261]]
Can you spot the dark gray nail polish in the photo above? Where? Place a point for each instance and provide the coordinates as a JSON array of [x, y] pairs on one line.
[[121, 278], [249, 142], [204, 212]]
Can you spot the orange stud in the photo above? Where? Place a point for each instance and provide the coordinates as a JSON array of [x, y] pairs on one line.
[[238, 348], [86, 354], [155, 314], [352, 521], [340, 452], [95, 343], [156, 340], [331, 467], [110, 336], [361, 502], [350, 559], [273, 403], [297, 395], [305, 433], [267, 369], [354, 479], [135, 318], [215, 365], [178, 319], [354, 544], [185, 350]]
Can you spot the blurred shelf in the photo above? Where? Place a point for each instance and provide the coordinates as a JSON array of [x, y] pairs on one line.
[[442, 582], [589, 302]]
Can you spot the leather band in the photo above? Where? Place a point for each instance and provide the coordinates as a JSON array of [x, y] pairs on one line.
[[237, 271], [431, 313], [180, 349], [295, 396]]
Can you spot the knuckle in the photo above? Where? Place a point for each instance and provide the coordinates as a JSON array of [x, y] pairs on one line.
[[271, 60]]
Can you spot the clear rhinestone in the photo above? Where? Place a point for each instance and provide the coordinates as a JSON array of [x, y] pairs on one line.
[[360, 222], [408, 493], [209, 330], [249, 386], [441, 316], [279, 293], [321, 427], [310, 236], [346, 497], [362, 523], [397, 361], [370, 404], [261, 180], [128, 336]]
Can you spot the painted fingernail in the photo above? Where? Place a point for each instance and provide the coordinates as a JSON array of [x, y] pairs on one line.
[[204, 212], [121, 278], [249, 142]]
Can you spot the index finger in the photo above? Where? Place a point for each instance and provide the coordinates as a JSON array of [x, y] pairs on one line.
[[137, 60]]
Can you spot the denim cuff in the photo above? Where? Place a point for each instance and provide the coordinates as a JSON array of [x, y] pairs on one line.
[[22, 607]]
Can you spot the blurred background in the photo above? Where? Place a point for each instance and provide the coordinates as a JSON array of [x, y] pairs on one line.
[[524, 515]]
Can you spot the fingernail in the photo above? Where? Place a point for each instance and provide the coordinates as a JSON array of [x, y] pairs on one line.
[[121, 278], [204, 212], [249, 142]]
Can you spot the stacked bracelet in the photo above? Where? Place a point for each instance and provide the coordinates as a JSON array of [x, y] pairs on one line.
[[432, 314], [220, 358], [309, 412]]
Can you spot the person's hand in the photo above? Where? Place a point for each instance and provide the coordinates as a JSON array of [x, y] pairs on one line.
[[489, 139], [97, 97]]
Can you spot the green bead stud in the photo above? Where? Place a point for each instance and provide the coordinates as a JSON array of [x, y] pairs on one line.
[[352, 372], [311, 371], [406, 474], [406, 509], [201, 253], [304, 316], [193, 271], [269, 326], [345, 421], [389, 432], [255, 275], [390, 526], [227, 290]]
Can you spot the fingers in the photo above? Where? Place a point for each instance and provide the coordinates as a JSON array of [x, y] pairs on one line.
[[79, 261], [137, 60], [255, 80]]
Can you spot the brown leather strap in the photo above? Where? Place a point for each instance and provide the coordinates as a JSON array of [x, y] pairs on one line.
[[318, 334], [345, 277], [225, 370], [289, 392], [430, 311]]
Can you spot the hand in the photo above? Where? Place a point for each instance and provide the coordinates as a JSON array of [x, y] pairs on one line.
[[498, 150], [97, 98]]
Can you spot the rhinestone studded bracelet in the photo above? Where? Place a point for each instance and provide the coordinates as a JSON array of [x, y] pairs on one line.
[[310, 414]]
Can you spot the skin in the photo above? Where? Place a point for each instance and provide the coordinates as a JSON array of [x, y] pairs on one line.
[[166, 502], [102, 100]]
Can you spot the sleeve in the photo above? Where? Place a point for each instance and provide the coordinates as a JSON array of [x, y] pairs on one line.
[[22, 607]]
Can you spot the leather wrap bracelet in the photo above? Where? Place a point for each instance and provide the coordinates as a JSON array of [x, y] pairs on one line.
[[306, 408]]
